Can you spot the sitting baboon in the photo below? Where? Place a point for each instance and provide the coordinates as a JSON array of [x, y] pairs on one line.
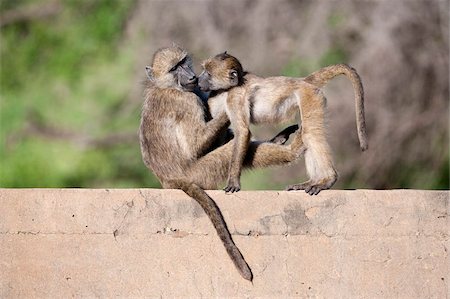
[[176, 140]]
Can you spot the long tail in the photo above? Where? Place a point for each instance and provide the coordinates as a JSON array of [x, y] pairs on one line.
[[214, 214], [322, 76]]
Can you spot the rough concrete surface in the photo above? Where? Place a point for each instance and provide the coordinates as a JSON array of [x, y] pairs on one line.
[[58, 243]]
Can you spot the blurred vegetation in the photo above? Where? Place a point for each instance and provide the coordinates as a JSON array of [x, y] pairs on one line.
[[62, 87], [69, 109]]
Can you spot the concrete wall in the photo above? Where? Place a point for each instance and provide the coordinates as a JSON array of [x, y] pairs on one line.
[[59, 243]]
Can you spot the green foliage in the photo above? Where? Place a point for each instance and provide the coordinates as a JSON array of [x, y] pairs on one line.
[[298, 67], [64, 45], [65, 82], [335, 20], [62, 88], [32, 163], [333, 56], [10, 4], [443, 176], [259, 179]]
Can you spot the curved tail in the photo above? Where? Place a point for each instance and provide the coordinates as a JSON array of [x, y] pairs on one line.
[[322, 76], [214, 214]]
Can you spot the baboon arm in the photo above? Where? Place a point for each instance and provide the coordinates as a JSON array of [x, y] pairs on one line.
[[144, 147], [240, 146], [241, 120], [210, 132]]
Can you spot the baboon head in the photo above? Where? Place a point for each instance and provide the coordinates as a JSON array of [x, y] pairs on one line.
[[172, 67], [221, 72]]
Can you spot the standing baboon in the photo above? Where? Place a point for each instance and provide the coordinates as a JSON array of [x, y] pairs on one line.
[[175, 139], [248, 98]]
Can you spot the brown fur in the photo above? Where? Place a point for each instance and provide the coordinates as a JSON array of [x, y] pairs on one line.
[[252, 99], [175, 138]]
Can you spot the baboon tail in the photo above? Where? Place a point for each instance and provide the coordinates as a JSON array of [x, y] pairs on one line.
[[322, 76], [214, 214]]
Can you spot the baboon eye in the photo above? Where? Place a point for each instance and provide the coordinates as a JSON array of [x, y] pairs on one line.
[[181, 62]]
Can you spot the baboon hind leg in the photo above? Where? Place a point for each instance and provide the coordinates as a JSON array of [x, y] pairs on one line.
[[212, 169], [318, 158]]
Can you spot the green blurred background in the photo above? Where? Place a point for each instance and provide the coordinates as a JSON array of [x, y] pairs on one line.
[[72, 72]]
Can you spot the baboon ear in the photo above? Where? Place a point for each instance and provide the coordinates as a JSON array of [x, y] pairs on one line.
[[234, 77], [222, 56], [149, 72]]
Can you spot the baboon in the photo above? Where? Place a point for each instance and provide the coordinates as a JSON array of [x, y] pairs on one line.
[[248, 98], [176, 140]]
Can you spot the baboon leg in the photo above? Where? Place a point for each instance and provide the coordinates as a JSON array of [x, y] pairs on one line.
[[264, 154], [318, 159], [212, 169]]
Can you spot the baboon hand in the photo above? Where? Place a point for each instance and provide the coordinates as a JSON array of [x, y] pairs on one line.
[[233, 185]]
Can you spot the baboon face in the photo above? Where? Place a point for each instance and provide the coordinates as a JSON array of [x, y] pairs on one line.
[[221, 72], [184, 74], [172, 67]]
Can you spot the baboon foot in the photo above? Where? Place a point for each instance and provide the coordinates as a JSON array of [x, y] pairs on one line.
[[313, 188], [232, 186]]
